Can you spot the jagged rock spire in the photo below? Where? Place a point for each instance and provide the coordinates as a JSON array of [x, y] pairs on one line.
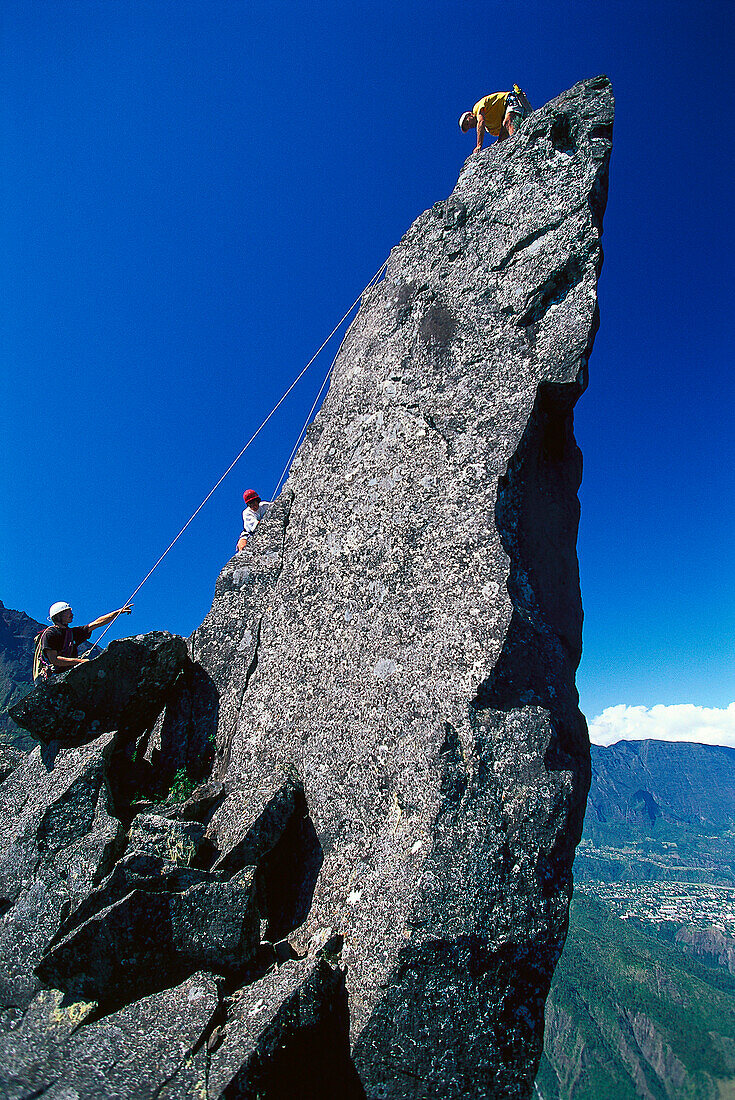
[[412, 624]]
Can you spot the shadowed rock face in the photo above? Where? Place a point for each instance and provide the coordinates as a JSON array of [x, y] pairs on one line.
[[379, 709], [125, 686], [418, 619], [57, 840]]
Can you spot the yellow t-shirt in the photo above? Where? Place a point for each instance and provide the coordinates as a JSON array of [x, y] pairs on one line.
[[494, 111]]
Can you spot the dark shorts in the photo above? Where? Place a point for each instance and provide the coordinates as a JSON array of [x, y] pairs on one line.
[[514, 106]]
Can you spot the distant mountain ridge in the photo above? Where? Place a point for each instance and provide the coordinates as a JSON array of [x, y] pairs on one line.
[[637, 782], [17, 631], [660, 811]]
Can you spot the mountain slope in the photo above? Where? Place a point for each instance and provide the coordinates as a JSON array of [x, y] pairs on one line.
[[630, 1016], [660, 811], [647, 784], [17, 631]]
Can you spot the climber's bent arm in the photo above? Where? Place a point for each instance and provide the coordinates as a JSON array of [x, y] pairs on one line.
[[62, 663]]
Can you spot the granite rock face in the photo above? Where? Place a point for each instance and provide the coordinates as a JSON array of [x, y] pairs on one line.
[[60, 1050], [412, 632], [58, 839], [125, 931], [125, 687], [302, 1006], [325, 850], [121, 952]]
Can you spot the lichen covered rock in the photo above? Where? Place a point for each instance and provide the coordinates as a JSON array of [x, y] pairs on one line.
[[287, 1035], [125, 686], [57, 840], [419, 631], [152, 936], [60, 1050]]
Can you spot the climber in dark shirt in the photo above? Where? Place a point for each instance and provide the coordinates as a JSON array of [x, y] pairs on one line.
[[60, 642]]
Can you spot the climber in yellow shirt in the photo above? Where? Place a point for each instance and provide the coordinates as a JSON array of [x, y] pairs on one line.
[[497, 114]]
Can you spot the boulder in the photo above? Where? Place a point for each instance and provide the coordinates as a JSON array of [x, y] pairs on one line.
[[250, 822], [134, 1053], [125, 687], [57, 841], [34, 1052], [173, 841], [130, 1055], [133, 871], [287, 1035], [152, 939]]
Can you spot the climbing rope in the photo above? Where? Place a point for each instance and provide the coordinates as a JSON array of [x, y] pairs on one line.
[[327, 376], [302, 433], [254, 436]]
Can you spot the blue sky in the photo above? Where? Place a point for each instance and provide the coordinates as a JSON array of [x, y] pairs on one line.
[[192, 195]]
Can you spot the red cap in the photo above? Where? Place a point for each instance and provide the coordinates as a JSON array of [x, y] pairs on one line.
[[249, 495]]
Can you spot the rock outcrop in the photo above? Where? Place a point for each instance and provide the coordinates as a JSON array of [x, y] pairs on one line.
[[126, 687], [57, 840], [410, 622], [381, 703]]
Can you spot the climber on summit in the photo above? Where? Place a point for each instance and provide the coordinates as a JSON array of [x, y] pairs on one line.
[[57, 645], [252, 514], [498, 114]]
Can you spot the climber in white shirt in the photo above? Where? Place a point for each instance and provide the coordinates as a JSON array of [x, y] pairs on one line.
[[254, 510]]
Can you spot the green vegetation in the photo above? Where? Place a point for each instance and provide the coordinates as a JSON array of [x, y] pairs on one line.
[[630, 1015], [181, 786], [615, 852]]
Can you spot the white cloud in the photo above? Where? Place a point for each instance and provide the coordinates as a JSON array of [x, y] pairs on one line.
[[679, 722]]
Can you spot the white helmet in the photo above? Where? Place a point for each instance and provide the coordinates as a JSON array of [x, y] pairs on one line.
[[57, 608]]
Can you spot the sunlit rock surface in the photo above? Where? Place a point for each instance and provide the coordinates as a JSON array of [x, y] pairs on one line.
[[126, 686], [411, 622], [367, 892]]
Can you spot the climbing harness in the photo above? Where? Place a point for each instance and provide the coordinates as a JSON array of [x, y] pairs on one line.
[[255, 434]]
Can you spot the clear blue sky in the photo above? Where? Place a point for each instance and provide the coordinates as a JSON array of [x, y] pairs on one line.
[[192, 194]]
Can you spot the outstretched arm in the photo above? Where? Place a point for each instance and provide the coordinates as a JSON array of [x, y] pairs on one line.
[[105, 619], [480, 129]]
